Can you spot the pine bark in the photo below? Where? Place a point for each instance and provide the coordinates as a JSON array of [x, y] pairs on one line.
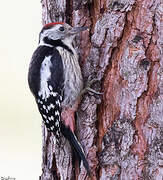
[[121, 131]]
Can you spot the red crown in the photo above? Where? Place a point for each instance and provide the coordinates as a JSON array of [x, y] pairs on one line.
[[52, 24]]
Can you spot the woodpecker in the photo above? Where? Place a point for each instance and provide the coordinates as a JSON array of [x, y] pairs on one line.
[[56, 82]]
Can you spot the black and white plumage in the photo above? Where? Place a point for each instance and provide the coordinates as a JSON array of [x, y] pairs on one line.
[[46, 83], [56, 82]]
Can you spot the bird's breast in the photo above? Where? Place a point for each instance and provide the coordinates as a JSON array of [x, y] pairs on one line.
[[73, 82]]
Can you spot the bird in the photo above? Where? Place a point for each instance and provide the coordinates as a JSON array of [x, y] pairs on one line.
[[56, 81]]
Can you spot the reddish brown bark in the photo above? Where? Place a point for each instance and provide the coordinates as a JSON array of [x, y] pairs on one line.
[[122, 130]]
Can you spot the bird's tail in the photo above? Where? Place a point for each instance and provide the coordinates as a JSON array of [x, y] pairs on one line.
[[70, 136]]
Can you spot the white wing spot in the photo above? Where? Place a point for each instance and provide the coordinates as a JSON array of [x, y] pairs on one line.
[[44, 107], [48, 107], [54, 94], [51, 118], [44, 116], [52, 127], [52, 106], [50, 87], [57, 123], [57, 133], [57, 102], [56, 113], [60, 98]]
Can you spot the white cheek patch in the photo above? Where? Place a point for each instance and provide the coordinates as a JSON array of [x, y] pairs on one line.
[[52, 33]]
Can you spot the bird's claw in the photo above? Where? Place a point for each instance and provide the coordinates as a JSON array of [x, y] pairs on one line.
[[89, 89], [93, 91]]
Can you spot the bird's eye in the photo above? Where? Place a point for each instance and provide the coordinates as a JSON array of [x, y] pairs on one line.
[[61, 28]]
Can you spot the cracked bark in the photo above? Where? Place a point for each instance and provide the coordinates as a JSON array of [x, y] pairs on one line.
[[122, 130]]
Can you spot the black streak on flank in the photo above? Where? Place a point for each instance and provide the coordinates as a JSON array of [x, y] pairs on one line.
[[56, 43]]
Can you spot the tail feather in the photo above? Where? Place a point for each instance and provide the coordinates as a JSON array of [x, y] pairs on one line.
[[70, 136]]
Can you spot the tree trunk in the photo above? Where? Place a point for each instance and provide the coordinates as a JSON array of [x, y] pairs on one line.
[[121, 131]]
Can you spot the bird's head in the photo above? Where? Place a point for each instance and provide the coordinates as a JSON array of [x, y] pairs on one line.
[[59, 31]]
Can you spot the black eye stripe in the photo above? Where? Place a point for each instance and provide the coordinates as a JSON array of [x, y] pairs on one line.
[[61, 28]]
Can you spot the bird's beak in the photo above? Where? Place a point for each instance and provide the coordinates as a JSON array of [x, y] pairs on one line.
[[76, 30]]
